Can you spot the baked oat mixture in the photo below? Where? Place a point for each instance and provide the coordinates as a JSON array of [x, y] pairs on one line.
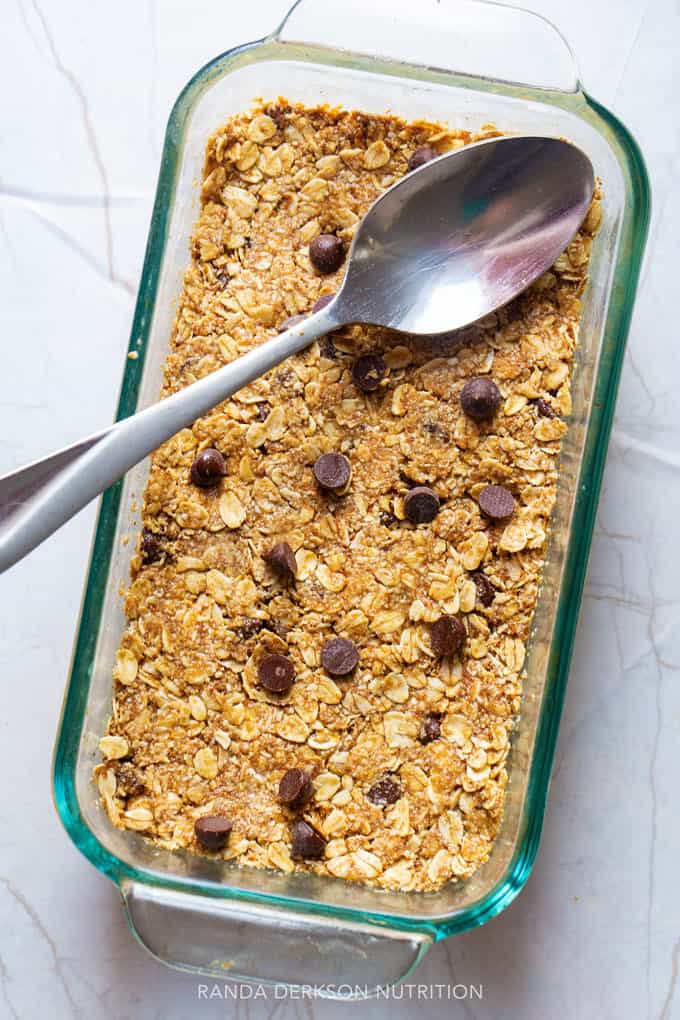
[[338, 569]]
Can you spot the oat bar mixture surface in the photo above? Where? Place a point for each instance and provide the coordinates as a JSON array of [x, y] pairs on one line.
[[240, 725]]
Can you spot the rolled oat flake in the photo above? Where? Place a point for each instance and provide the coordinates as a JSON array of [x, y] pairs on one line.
[[306, 842], [421, 504], [332, 471], [213, 831], [496, 502], [276, 673], [295, 787], [339, 656], [281, 558]]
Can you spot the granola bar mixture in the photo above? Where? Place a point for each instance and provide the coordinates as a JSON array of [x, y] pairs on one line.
[[338, 569]]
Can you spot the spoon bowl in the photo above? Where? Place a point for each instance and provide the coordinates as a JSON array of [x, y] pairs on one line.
[[465, 234], [444, 246]]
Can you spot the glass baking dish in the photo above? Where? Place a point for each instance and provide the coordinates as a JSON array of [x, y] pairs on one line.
[[469, 63]]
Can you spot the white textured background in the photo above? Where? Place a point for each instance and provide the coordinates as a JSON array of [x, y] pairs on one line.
[[87, 86]]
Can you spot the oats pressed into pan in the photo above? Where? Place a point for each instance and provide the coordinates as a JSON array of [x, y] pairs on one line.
[[257, 551]]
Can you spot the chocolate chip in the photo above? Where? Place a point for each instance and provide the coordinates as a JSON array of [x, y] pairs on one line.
[[496, 502], [544, 408], [332, 471], [290, 322], [295, 787], [486, 592], [150, 547], [431, 728], [276, 673], [480, 398], [282, 559], [339, 656], [447, 635], [326, 253], [422, 155], [321, 302], [385, 791], [306, 842], [368, 372], [421, 505], [212, 831], [207, 469]]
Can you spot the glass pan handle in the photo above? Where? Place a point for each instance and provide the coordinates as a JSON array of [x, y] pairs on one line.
[[469, 37], [237, 941]]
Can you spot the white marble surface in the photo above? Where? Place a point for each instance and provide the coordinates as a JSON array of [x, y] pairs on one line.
[[87, 86]]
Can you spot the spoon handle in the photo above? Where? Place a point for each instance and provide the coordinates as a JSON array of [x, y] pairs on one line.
[[39, 498]]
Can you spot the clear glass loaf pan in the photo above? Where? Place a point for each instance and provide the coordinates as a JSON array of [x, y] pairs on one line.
[[468, 63]]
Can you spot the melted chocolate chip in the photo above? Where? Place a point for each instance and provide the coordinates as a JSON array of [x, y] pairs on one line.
[[326, 253], [129, 781], [486, 592], [339, 656], [388, 519], [496, 502], [447, 635], [282, 559], [431, 728], [213, 831], [208, 468], [277, 627], [328, 349], [368, 372], [276, 673], [249, 628], [150, 547], [422, 155], [433, 428], [421, 504], [306, 842], [295, 787], [544, 408], [385, 791]]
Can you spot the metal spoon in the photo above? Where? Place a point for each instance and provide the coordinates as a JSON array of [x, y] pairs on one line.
[[443, 247]]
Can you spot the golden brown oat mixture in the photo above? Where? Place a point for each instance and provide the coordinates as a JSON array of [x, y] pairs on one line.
[[193, 732]]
